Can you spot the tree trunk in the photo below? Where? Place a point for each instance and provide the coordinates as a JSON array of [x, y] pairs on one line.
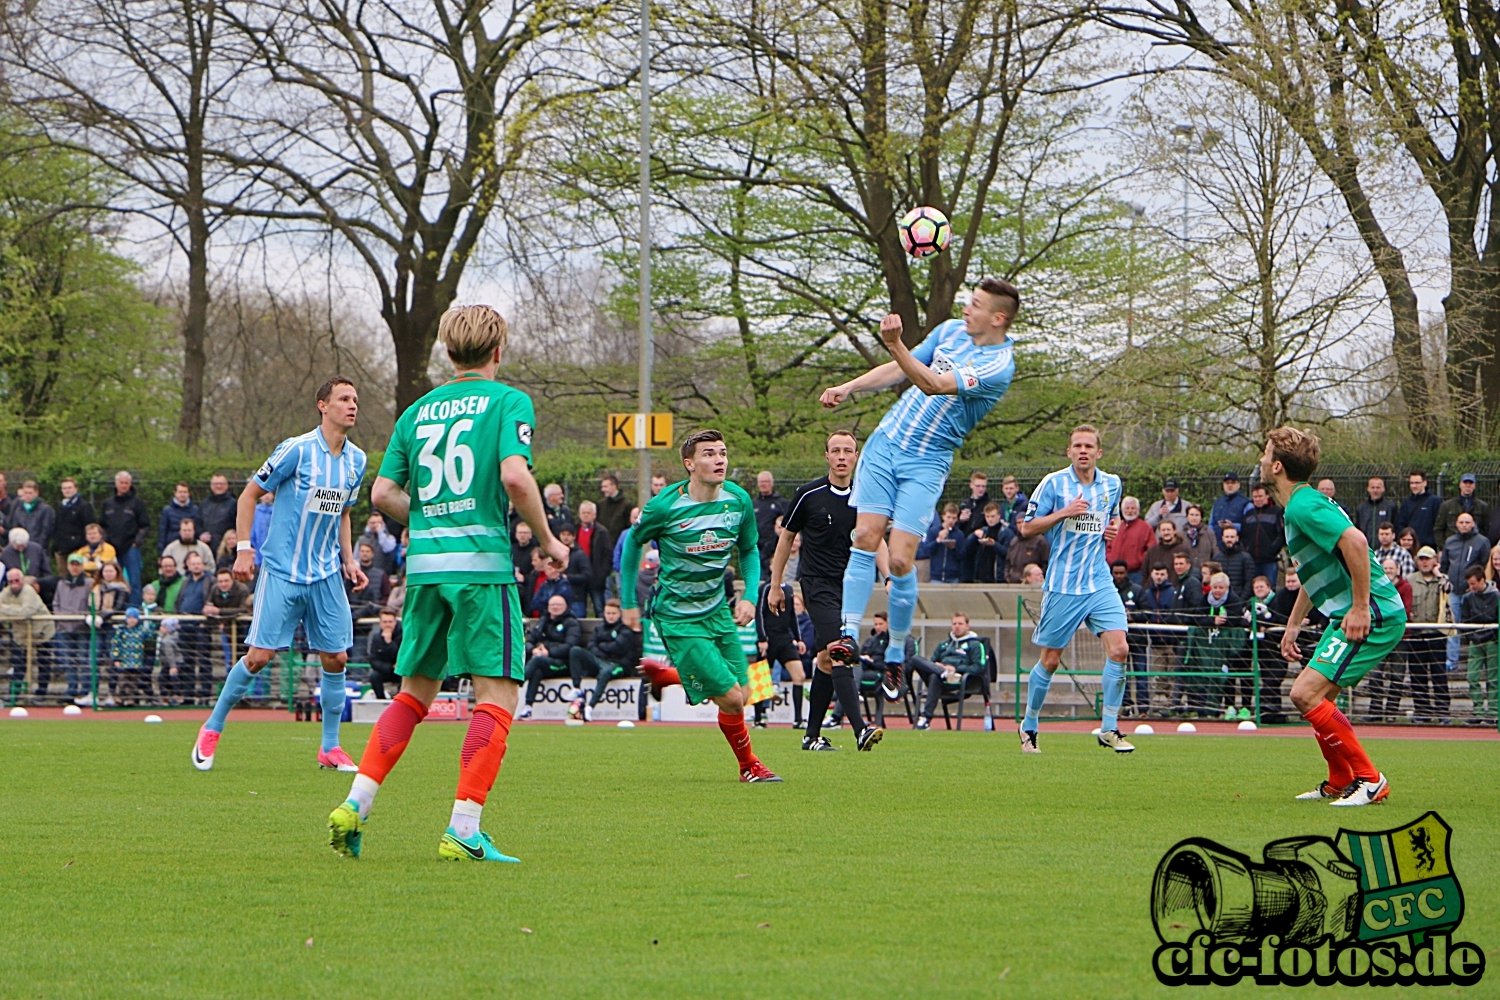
[[194, 328]]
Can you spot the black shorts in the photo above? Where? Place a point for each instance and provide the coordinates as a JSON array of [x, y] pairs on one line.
[[782, 651], [823, 597]]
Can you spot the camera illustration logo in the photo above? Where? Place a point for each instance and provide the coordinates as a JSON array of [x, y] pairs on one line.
[[1364, 908]]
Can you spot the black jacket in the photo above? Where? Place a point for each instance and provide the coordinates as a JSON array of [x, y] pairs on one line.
[[1239, 567], [601, 553], [1262, 534], [1156, 604], [1482, 608], [72, 518], [382, 653], [1369, 515], [976, 513], [559, 635], [580, 574], [1419, 513], [614, 513], [873, 651], [989, 560], [125, 521], [218, 514], [617, 644]]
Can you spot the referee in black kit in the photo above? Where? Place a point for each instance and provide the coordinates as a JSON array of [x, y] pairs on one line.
[[822, 515]]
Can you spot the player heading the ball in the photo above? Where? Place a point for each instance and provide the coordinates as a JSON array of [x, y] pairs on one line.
[[958, 373]]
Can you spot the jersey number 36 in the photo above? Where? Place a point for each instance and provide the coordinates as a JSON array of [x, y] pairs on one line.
[[456, 465]]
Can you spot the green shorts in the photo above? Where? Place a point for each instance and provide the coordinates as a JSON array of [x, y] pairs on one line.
[[1346, 663], [707, 654], [452, 629]]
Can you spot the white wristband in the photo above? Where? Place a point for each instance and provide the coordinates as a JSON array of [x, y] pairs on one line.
[[243, 547]]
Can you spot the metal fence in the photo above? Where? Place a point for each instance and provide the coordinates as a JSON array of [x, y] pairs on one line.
[[182, 661]]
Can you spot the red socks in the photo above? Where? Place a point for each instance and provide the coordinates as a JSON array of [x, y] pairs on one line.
[[484, 749], [1347, 760], [733, 727], [392, 732]]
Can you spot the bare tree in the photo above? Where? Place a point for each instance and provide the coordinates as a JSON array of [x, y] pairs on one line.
[[396, 124], [1348, 77], [141, 85], [1282, 282]]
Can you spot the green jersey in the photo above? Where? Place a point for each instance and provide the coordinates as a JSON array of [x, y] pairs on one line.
[[447, 449], [696, 541], [1314, 525]]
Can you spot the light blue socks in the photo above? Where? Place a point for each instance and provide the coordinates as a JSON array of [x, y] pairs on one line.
[[235, 685], [1036, 695], [859, 580], [903, 605], [331, 697], [1114, 694]]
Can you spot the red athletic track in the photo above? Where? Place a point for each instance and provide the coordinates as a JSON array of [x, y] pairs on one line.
[[1003, 726]]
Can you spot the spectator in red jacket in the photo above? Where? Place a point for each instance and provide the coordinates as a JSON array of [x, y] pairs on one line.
[[1132, 540]]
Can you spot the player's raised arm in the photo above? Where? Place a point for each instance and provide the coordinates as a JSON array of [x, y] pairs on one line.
[[928, 381], [880, 377]]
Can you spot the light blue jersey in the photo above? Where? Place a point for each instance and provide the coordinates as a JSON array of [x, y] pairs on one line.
[[1077, 564], [920, 424], [313, 488]]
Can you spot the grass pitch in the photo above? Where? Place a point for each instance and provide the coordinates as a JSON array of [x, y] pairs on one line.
[[941, 864]]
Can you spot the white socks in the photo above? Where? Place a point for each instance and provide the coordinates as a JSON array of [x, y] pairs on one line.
[[363, 794], [465, 821]]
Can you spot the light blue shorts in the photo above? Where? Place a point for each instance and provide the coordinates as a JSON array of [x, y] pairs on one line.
[[904, 487], [321, 607], [1063, 613]]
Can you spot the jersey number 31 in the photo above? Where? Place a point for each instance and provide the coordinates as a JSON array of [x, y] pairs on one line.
[[456, 465]]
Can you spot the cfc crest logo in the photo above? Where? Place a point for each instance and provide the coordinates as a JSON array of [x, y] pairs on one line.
[[1362, 909]]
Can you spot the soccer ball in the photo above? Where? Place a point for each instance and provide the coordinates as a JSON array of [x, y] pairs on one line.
[[924, 231]]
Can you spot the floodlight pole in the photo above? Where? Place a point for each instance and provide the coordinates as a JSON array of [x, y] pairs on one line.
[[643, 454]]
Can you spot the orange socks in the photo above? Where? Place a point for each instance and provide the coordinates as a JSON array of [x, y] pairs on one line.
[[1347, 760], [392, 732], [733, 728], [484, 749]]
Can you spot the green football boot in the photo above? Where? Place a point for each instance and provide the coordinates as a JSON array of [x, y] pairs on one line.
[[344, 827], [476, 848]]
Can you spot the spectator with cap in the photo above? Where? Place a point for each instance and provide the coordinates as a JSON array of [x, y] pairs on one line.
[[1170, 507], [1466, 501], [1429, 671], [72, 598], [1377, 508], [179, 507], [31, 513], [125, 522], [1198, 538], [24, 554], [74, 514], [613, 507], [1132, 540], [1419, 511], [129, 679], [1229, 508], [1385, 547], [219, 511]]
